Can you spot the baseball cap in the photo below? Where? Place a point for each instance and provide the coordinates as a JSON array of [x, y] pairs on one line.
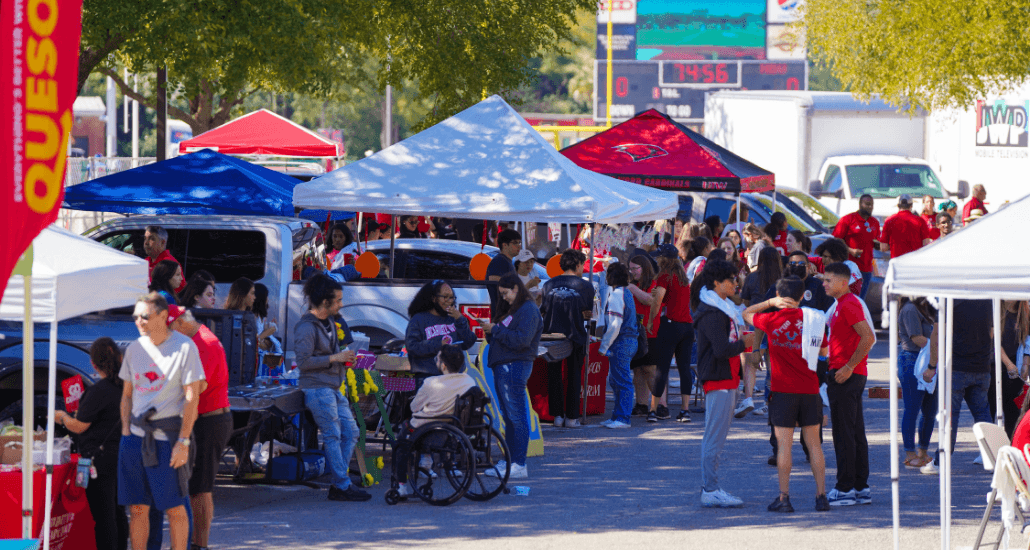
[[174, 312], [524, 255], [904, 199], [666, 251]]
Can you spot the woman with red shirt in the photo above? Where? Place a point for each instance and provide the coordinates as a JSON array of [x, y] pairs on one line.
[[675, 332], [643, 284], [930, 217]]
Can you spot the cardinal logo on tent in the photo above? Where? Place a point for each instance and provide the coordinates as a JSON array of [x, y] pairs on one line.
[[641, 151]]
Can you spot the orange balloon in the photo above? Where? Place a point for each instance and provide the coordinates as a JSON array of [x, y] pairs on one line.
[[554, 266], [478, 265], [368, 265]]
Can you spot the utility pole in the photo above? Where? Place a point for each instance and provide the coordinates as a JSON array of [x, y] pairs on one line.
[[162, 113]]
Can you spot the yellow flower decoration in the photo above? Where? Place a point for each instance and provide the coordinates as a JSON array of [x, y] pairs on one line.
[[340, 334], [379, 462], [369, 480]]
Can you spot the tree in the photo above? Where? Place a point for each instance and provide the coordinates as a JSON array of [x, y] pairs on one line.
[[922, 53], [218, 52]]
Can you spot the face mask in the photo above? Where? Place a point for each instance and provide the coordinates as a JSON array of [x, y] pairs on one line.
[[798, 271]]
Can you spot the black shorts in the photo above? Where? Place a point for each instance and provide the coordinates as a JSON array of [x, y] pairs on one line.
[[788, 410], [648, 358], [211, 434]]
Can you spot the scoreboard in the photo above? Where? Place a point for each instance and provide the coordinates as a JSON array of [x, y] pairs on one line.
[[678, 88]]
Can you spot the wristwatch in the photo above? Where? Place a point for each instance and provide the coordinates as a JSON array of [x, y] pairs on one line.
[[185, 441]]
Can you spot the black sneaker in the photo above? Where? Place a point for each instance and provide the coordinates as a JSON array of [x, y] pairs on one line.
[[652, 417], [772, 460], [663, 412], [822, 504], [782, 505], [683, 416], [352, 494], [639, 410]]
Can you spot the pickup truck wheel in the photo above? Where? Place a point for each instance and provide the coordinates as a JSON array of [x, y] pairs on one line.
[[13, 412]]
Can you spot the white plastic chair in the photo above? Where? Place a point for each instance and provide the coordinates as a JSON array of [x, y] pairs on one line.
[[1012, 464], [991, 438]]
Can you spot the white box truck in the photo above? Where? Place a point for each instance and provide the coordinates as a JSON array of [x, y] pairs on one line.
[[985, 144], [829, 144]]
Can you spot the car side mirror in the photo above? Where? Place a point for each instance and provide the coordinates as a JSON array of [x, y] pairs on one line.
[[815, 188], [963, 189], [839, 193]]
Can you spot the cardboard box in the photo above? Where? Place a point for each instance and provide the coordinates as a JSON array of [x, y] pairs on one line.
[[392, 363], [12, 454]]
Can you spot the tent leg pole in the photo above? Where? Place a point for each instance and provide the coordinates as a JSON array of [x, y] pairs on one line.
[[27, 414], [946, 463], [942, 404], [51, 395], [393, 245], [895, 495], [999, 417]]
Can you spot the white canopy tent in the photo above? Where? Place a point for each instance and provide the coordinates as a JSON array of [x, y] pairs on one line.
[[974, 263], [484, 162], [71, 276]]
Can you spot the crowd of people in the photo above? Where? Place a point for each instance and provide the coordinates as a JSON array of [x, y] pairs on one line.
[[723, 300]]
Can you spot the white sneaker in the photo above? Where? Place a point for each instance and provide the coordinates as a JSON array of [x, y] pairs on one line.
[[761, 411], [929, 468], [572, 423], [497, 470], [518, 471], [605, 423], [719, 499], [617, 425], [746, 405], [559, 422], [405, 490]]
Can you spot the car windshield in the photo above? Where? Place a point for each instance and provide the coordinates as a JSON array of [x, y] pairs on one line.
[[794, 220], [891, 180], [815, 209]]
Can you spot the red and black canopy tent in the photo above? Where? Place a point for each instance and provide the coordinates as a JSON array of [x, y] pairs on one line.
[[651, 149]]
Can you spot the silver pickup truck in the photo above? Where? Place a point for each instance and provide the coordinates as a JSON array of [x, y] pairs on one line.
[[262, 249]]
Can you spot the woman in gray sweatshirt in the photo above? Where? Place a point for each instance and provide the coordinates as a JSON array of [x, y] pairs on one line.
[[515, 337], [435, 321]]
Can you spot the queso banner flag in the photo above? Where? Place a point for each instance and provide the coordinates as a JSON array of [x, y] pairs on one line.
[[39, 63]]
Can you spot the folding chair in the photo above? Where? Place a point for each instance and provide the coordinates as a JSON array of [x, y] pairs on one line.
[[991, 438], [1012, 465]]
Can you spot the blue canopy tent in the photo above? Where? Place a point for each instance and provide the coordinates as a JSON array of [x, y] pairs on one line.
[[321, 215], [200, 183]]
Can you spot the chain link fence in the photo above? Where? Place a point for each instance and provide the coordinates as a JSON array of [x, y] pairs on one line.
[[82, 169]]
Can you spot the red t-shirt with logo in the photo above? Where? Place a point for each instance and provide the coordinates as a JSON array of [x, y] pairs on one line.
[[216, 371], [788, 369], [731, 384], [859, 233], [931, 224], [843, 336], [645, 311], [780, 242], [676, 302], [904, 232]]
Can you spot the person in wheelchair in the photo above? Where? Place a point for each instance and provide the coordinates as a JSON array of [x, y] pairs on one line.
[[435, 399]]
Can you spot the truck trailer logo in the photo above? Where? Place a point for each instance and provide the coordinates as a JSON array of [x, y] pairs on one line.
[[1001, 123]]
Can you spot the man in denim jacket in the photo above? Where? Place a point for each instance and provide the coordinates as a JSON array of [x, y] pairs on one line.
[[322, 372]]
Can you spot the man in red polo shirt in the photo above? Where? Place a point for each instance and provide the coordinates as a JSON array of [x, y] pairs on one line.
[[976, 202], [859, 230], [155, 244], [214, 420], [904, 232]]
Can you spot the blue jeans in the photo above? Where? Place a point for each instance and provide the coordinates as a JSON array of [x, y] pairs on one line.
[[973, 387], [867, 279], [333, 414], [620, 376], [916, 401], [510, 383]]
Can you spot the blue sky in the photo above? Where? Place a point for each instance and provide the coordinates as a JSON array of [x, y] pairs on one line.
[[714, 7]]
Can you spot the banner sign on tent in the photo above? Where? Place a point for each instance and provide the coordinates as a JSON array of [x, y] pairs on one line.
[[39, 67]]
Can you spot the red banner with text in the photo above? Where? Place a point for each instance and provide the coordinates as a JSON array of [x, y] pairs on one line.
[[39, 66]]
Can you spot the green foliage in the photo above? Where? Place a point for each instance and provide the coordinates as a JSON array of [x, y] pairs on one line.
[[219, 52], [924, 53]]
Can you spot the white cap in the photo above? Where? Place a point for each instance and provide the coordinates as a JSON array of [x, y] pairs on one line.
[[524, 255]]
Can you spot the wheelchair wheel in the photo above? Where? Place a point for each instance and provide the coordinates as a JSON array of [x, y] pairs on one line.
[[488, 448], [441, 466], [392, 497]]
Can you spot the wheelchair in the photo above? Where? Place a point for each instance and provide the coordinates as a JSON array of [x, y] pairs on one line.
[[447, 458]]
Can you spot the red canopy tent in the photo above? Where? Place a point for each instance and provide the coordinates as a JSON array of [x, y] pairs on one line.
[[264, 133], [653, 150]]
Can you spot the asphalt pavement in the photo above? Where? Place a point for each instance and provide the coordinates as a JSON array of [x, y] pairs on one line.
[[635, 488]]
